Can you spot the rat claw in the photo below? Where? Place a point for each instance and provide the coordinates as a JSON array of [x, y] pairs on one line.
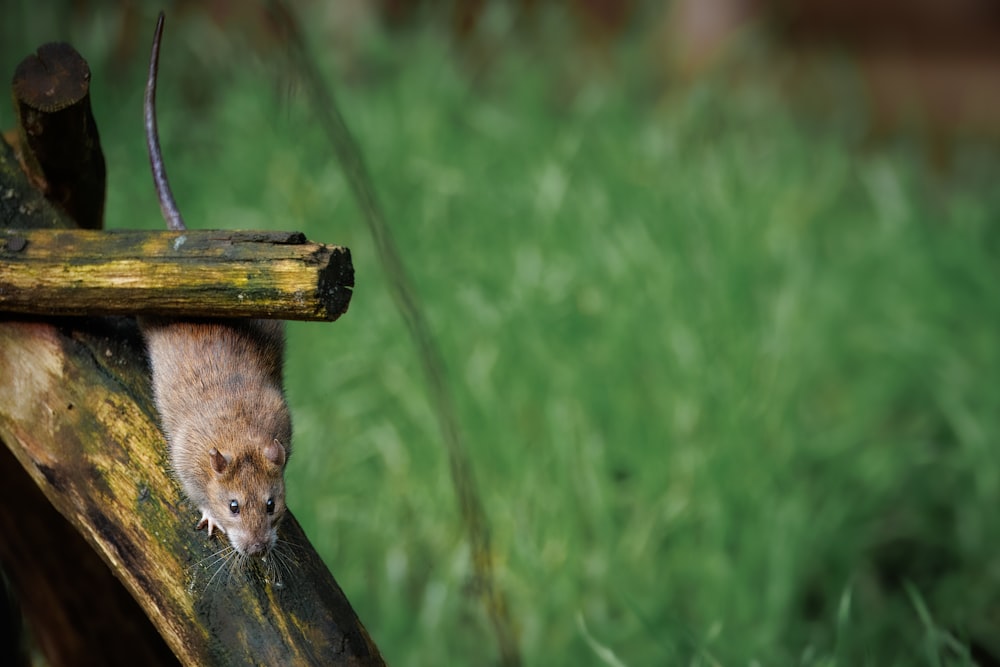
[[206, 520]]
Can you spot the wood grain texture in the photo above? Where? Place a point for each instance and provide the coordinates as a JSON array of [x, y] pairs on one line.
[[175, 274]]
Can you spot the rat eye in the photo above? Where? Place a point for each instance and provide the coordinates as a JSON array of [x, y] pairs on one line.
[[234, 506], [270, 505]]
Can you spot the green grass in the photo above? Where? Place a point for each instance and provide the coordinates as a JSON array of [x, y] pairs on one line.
[[729, 384]]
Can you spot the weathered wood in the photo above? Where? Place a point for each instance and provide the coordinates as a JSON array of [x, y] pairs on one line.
[[194, 273], [58, 139]]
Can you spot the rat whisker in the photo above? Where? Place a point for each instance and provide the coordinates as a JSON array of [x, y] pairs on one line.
[[279, 563], [225, 561]]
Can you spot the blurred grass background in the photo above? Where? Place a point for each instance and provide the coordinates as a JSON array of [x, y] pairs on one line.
[[726, 364]]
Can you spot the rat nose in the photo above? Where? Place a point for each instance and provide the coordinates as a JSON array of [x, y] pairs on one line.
[[256, 548]]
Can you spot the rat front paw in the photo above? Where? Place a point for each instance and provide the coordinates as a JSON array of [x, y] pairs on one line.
[[206, 520]]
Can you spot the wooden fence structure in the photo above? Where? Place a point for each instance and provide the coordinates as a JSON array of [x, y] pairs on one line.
[[99, 558]]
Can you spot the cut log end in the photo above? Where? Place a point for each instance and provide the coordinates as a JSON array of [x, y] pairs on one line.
[[53, 78], [335, 286]]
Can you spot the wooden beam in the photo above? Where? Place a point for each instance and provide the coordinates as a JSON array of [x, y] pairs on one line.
[[193, 273]]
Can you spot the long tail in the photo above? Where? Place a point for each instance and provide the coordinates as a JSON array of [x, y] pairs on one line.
[[168, 206]]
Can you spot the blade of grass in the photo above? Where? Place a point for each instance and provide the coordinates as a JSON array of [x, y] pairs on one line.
[[349, 155]]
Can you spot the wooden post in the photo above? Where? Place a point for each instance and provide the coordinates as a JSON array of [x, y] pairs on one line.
[[77, 418], [58, 139]]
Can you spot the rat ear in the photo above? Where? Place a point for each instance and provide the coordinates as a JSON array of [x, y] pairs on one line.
[[275, 453], [219, 461]]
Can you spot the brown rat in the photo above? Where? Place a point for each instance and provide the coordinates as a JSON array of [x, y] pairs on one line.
[[218, 390]]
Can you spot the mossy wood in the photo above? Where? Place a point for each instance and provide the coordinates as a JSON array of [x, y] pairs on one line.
[[84, 474], [180, 274]]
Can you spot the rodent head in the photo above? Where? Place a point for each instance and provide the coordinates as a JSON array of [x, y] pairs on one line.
[[247, 496]]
